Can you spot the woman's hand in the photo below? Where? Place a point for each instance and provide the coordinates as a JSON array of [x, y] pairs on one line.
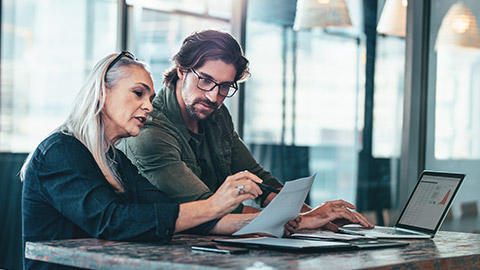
[[236, 189], [332, 214]]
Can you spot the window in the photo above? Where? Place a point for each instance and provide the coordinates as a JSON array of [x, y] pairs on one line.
[[48, 48], [453, 116], [301, 103], [159, 27]]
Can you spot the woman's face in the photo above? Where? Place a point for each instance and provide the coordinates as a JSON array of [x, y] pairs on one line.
[[128, 103]]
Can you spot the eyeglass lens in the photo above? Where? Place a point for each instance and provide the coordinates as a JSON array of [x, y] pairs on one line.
[[224, 89]]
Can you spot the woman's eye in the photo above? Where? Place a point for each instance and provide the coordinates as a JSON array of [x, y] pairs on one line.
[[138, 93]]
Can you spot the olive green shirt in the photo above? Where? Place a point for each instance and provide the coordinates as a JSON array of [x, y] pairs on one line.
[[163, 155]]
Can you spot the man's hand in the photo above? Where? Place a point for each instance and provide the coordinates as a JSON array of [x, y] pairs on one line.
[[292, 226], [331, 215]]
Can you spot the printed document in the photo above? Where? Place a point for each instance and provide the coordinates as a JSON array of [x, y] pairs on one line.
[[284, 207]]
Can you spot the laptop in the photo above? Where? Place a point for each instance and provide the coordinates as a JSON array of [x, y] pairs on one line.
[[291, 244], [424, 212]]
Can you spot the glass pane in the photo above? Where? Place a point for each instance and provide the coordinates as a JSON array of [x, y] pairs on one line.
[[263, 91], [326, 114], [158, 37], [45, 61], [388, 97], [196, 6], [453, 117], [457, 114], [301, 112], [220, 8]]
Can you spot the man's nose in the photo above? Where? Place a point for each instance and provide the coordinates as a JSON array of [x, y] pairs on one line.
[[213, 94]]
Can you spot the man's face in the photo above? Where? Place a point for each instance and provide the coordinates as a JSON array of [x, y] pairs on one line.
[[195, 103]]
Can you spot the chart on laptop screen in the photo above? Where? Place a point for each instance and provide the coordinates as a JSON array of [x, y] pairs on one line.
[[429, 201]]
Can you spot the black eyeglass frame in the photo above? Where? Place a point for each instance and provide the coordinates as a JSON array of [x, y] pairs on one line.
[[122, 54], [233, 85]]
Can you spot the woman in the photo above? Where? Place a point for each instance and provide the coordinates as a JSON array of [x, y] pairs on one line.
[[76, 185]]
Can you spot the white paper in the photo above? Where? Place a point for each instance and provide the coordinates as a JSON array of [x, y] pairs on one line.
[[284, 207]]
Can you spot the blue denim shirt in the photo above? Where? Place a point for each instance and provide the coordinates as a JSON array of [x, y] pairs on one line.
[[65, 196]]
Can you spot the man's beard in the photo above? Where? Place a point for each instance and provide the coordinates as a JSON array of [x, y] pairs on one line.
[[199, 115]]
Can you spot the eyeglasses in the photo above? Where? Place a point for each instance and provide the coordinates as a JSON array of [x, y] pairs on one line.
[[122, 54], [225, 89]]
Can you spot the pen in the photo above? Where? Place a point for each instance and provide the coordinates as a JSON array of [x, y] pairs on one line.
[[267, 188]]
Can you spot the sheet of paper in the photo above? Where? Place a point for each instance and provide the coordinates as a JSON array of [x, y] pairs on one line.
[[284, 207]]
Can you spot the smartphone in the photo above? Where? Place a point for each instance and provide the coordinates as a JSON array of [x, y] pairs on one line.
[[220, 249]]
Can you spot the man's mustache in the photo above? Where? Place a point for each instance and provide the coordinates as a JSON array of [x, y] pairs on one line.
[[207, 103]]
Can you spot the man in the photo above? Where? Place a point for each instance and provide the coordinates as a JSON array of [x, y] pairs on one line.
[[188, 146]]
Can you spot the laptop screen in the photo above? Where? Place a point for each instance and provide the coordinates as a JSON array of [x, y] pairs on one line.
[[430, 200]]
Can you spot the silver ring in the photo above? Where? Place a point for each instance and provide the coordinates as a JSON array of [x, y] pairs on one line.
[[240, 189]]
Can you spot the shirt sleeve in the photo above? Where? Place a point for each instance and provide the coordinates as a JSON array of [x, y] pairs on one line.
[[73, 184], [161, 162]]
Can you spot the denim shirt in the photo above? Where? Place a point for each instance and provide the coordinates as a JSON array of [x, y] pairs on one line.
[[163, 155], [65, 196]]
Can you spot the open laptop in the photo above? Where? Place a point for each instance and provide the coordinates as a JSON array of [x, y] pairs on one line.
[[424, 212]]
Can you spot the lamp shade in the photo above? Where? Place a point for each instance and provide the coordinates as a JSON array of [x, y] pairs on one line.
[[458, 28], [393, 20], [321, 13]]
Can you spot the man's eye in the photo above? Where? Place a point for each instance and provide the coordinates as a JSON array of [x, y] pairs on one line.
[[206, 81], [226, 87]]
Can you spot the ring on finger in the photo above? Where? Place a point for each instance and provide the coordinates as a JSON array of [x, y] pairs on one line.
[[240, 189]]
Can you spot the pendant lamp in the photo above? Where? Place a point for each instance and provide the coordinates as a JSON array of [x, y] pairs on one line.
[[393, 20], [458, 29], [321, 13]]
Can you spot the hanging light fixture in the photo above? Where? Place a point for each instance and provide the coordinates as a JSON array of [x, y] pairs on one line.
[[458, 29], [321, 13], [393, 20]]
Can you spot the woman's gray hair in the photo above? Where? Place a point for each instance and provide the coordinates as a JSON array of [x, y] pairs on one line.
[[84, 121]]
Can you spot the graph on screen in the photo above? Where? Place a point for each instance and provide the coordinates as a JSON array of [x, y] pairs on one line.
[[429, 201]]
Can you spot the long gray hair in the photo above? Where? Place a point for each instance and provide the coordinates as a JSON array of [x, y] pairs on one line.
[[84, 121]]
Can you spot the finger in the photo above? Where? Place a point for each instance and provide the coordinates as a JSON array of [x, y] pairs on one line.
[[298, 219], [245, 196], [343, 203], [331, 227], [246, 186], [249, 175], [291, 227], [358, 218], [341, 212], [249, 187], [363, 220], [292, 223]]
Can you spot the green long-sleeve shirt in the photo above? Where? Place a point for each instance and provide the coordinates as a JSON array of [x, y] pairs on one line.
[[163, 155]]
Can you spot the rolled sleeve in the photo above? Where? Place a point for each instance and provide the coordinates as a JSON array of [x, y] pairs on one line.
[[203, 228], [165, 229]]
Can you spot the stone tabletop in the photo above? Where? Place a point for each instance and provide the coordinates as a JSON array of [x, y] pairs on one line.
[[448, 250]]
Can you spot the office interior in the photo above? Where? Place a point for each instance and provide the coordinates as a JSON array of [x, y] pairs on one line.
[[367, 108]]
